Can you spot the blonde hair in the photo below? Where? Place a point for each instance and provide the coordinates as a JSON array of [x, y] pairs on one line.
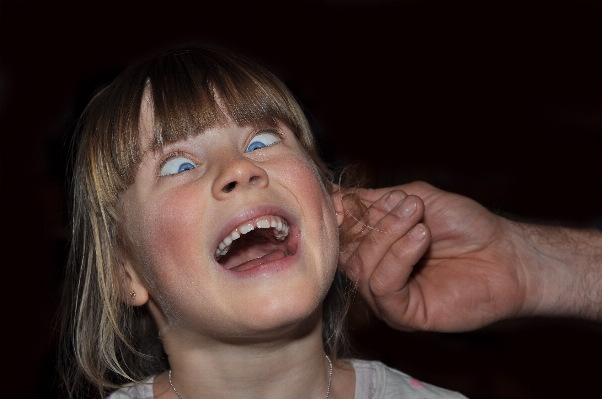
[[106, 342]]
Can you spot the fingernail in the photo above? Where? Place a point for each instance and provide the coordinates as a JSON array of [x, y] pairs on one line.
[[407, 207], [418, 232], [393, 200]]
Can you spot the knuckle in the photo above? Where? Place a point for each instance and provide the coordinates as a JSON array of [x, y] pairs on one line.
[[390, 225], [423, 185], [378, 285], [399, 252]]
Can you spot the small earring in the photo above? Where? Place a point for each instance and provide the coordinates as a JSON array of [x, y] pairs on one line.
[[133, 294]]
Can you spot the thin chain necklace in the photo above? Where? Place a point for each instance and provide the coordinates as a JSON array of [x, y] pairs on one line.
[[327, 389]]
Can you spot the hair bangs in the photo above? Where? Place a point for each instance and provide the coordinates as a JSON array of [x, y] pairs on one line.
[[193, 90]]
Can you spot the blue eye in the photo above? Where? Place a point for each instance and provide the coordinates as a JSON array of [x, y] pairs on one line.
[[262, 140], [177, 165]]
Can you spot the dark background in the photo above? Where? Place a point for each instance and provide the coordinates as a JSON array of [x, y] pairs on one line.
[[500, 101]]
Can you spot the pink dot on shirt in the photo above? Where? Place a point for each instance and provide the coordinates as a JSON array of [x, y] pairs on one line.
[[415, 383]]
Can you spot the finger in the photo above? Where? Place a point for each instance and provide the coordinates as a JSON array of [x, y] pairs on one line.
[[360, 220], [374, 247], [364, 222], [388, 230], [367, 195], [393, 272]]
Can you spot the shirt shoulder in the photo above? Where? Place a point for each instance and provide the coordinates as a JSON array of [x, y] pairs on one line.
[[142, 390], [374, 380]]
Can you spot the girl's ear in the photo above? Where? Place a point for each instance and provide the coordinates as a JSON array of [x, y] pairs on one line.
[[337, 201], [136, 294]]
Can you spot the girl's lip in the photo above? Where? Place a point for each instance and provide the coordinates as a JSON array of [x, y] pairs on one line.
[[254, 213]]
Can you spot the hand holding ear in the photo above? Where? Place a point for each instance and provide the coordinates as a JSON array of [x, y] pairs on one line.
[[465, 279], [381, 241]]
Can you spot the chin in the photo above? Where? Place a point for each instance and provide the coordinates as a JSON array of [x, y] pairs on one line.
[[278, 321]]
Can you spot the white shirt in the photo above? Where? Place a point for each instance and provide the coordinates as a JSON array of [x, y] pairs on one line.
[[373, 380]]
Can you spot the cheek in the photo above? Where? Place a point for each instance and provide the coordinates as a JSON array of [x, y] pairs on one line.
[[306, 184], [168, 244], [167, 235], [304, 180]]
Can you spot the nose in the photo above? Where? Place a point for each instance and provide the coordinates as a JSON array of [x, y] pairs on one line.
[[238, 174]]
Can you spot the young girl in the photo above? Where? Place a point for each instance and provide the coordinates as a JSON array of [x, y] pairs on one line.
[[205, 244]]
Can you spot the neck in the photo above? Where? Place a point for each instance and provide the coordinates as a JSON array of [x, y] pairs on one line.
[[292, 366]]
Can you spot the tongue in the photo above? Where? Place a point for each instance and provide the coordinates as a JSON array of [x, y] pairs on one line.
[[269, 257]]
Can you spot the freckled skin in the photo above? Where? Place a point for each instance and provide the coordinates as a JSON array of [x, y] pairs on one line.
[[173, 222]]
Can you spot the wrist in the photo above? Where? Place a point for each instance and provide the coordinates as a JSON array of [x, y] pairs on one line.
[[562, 270]]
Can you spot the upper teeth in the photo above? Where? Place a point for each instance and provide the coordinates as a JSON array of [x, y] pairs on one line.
[[280, 226]]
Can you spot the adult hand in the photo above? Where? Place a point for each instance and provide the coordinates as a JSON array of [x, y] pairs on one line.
[[479, 267]]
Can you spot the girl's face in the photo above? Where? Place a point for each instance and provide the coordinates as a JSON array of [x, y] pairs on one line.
[[186, 216]]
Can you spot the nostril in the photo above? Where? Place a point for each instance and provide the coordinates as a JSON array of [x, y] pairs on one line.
[[229, 187]]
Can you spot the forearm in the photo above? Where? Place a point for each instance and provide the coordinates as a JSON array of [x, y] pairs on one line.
[[562, 269]]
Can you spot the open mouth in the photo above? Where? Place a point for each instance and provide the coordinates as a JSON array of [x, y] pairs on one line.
[[255, 242]]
